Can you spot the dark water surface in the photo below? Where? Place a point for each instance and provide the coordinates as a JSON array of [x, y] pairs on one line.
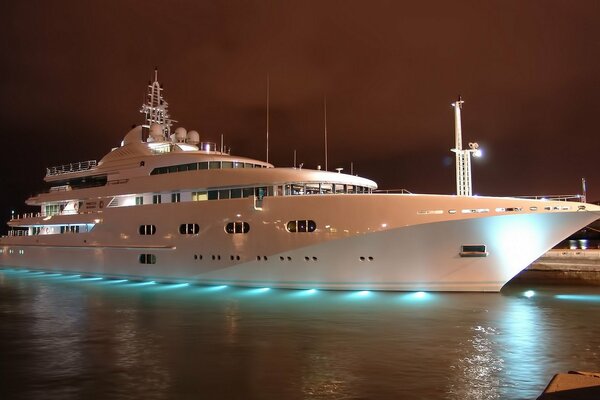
[[64, 337]]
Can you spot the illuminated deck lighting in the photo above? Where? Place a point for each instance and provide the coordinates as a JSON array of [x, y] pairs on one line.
[[529, 294]]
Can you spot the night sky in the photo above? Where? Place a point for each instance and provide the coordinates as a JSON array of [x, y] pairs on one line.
[[74, 73]]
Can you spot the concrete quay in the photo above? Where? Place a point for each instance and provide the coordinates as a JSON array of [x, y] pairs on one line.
[[563, 266]]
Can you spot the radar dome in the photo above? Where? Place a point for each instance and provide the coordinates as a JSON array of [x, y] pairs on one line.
[[193, 138], [180, 135], [156, 133]]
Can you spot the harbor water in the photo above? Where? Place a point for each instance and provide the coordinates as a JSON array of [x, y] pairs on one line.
[[71, 337]]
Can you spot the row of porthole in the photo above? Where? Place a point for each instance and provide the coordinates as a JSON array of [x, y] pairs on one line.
[[12, 251], [370, 258]]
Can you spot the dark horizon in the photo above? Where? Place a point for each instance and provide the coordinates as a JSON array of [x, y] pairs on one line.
[[75, 75]]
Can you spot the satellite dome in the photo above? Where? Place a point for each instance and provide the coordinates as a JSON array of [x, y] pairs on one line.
[[193, 138], [156, 133], [180, 135]]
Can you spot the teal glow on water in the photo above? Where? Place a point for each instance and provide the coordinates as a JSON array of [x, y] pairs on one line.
[[66, 336]]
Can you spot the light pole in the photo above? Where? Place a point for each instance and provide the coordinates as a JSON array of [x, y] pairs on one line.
[[464, 185]]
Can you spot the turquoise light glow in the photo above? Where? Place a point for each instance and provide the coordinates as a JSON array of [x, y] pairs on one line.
[[258, 291], [419, 296], [303, 293], [138, 284], [529, 293], [92, 279], [361, 294], [167, 286], [579, 297]]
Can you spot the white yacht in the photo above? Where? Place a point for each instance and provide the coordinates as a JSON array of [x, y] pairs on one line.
[[169, 208]]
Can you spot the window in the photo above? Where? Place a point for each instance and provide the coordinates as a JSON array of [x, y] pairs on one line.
[[224, 194], [139, 200], [214, 165], [203, 165], [189, 229], [147, 259], [175, 197], [227, 164], [147, 229], [301, 225], [237, 227], [199, 196], [156, 198]]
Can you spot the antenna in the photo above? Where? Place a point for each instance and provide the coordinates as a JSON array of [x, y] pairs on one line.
[[584, 190], [325, 121], [221, 143], [294, 158], [268, 90]]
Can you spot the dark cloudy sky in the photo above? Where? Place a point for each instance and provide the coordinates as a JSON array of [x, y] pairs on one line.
[[73, 76]]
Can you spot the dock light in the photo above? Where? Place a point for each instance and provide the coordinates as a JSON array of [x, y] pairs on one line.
[[529, 294]]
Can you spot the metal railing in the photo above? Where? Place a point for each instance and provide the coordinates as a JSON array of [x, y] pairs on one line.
[[18, 232], [388, 191], [557, 197], [72, 167]]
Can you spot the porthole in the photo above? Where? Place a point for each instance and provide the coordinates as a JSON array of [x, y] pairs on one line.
[[301, 225], [189, 229], [147, 259], [147, 229], [237, 227]]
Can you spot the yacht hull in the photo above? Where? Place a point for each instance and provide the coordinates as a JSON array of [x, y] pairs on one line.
[[362, 242]]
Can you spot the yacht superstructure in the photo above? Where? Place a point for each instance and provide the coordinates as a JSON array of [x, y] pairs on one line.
[[167, 207]]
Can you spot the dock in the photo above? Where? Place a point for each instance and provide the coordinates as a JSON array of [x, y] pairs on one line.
[[563, 266]]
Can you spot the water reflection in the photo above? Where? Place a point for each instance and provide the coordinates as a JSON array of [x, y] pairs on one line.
[[75, 337]]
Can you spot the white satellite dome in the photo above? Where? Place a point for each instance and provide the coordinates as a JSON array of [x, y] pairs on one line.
[[193, 137], [180, 135], [156, 133]]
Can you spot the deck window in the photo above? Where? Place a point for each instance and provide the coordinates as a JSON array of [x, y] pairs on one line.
[[156, 199], [199, 196], [175, 197]]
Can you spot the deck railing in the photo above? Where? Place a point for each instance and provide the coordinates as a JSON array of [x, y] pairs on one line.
[[70, 168]]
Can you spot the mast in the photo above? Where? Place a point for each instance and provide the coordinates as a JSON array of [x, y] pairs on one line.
[[155, 109]]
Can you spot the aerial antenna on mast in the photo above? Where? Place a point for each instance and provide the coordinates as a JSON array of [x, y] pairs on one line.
[[268, 93], [156, 109], [325, 130]]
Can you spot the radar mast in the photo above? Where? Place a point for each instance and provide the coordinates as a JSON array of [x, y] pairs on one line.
[[156, 109]]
